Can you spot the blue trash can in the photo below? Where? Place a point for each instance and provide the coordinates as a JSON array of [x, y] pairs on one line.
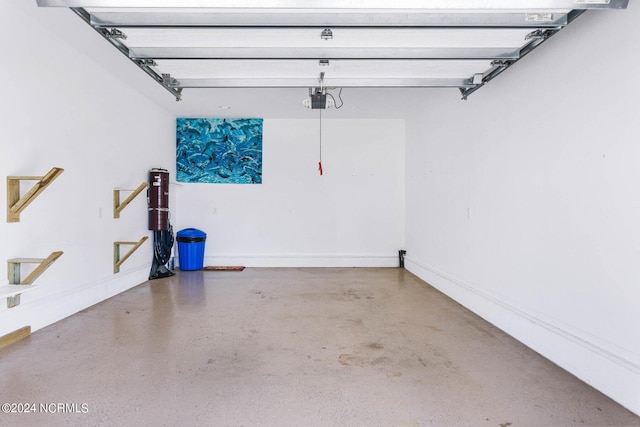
[[191, 248]]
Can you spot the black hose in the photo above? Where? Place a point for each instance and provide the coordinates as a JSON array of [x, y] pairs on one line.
[[163, 242]]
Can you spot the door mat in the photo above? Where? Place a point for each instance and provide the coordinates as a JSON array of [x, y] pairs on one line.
[[224, 268]]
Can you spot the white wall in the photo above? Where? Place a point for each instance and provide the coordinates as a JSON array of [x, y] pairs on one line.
[[61, 109], [350, 216], [523, 202]]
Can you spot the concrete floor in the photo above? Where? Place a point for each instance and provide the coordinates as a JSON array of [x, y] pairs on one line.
[[291, 347]]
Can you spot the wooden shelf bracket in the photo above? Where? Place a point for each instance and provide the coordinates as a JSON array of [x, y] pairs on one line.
[[117, 260], [14, 336], [17, 285], [15, 203], [119, 206]]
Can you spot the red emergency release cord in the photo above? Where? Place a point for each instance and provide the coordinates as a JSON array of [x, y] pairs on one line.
[[320, 162]]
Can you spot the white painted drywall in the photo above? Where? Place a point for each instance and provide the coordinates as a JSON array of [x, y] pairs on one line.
[[350, 216], [523, 203], [61, 109]]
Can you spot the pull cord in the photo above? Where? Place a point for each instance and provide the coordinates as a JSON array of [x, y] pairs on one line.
[[320, 162]]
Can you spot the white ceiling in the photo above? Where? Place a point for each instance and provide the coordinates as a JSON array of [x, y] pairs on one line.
[[262, 61]]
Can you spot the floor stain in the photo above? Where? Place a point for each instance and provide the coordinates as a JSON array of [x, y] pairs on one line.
[[349, 359], [354, 360], [381, 361], [355, 321], [350, 295], [375, 346]]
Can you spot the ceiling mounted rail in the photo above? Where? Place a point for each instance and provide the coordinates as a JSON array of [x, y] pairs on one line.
[[117, 43], [462, 44], [311, 82], [202, 53], [501, 66], [138, 18], [447, 5]]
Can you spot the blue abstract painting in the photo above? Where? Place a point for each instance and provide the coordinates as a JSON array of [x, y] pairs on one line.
[[219, 151]]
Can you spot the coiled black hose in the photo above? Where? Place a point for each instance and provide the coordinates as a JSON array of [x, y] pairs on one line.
[[162, 244]]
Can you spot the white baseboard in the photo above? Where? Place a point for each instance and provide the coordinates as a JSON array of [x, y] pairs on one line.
[[306, 260], [612, 371], [41, 312]]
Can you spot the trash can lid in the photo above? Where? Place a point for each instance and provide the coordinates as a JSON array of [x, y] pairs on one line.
[[191, 232]]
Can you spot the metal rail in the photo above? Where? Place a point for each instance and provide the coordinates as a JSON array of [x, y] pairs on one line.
[[115, 41], [543, 17], [501, 67]]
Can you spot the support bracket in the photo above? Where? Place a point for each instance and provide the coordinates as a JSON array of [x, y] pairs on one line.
[[15, 203], [114, 34], [117, 260], [119, 206], [146, 62], [17, 285], [14, 336]]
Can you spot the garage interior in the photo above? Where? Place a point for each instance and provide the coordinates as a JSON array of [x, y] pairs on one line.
[[495, 144]]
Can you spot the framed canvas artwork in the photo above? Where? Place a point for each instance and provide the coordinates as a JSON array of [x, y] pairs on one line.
[[219, 151]]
